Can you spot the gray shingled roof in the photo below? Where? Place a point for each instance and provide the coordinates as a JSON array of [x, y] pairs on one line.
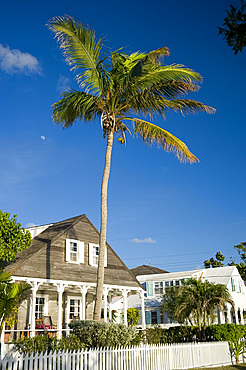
[[147, 270]]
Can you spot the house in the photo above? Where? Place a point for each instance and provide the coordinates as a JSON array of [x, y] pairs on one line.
[[61, 268], [155, 283]]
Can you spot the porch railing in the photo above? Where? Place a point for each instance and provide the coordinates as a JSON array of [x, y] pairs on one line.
[[9, 334]]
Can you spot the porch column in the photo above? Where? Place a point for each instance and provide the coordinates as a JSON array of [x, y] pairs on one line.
[[83, 293], [220, 317], [34, 290], [143, 310], [228, 310], [124, 293], [236, 315], [110, 308], [60, 290], [241, 315], [105, 302]]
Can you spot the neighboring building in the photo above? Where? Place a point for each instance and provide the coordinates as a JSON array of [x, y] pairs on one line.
[[147, 270], [154, 285], [61, 267]]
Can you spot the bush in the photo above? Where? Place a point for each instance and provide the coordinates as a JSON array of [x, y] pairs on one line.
[[181, 334], [153, 335], [100, 334], [225, 332], [43, 343]]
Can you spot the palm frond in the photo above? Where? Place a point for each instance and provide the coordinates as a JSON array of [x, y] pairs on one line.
[[127, 67], [187, 106], [151, 133], [76, 105], [151, 58], [82, 52]]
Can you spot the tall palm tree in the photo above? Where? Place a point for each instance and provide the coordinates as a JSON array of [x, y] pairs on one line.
[[11, 295], [114, 86]]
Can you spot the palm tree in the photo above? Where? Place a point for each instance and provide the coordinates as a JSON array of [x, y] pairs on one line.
[[198, 299], [114, 86], [11, 295]]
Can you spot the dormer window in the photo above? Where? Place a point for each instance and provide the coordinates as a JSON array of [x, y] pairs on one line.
[[94, 255], [74, 251]]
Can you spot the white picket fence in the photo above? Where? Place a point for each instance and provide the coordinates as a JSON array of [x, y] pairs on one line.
[[144, 357]]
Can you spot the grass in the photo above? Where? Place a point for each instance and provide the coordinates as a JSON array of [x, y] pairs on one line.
[[230, 367]]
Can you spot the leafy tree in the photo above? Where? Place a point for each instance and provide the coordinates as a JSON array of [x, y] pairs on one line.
[[13, 238], [235, 31], [241, 249], [171, 300], [217, 262], [114, 86], [133, 316], [196, 301], [11, 295]]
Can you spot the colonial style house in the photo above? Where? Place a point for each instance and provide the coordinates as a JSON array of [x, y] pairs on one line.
[[61, 268], [154, 282]]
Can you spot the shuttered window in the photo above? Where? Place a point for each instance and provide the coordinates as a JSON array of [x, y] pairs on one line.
[[74, 251], [94, 255]]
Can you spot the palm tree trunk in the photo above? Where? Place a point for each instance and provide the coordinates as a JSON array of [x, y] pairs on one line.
[[103, 228]]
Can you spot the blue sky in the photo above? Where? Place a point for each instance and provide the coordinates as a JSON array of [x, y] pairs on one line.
[[171, 215]]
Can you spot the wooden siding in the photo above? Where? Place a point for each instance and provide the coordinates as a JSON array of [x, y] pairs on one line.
[[45, 258]]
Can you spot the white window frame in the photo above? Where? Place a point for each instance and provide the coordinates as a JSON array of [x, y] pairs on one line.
[[158, 285], [80, 251], [68, 306], [46, 303], [91, 255]]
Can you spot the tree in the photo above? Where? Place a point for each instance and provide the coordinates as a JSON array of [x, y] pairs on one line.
[[114, 86], [235, 33], [133, 316], [241, 249], [217, 262], [11, 296], [172, 299], [196, 301], [13, 238]]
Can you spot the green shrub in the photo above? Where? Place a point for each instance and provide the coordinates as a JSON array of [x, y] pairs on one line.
[[225, 332], [43, 343], [101, 334], [183, 333], [153, 335], [36, 344]]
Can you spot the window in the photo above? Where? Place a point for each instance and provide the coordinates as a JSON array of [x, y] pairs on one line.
[[74, 308], [94, 255], [168, 283], [177, 282], [41, 306], [158, 287], [153, 317], [74, 251], [233, 285]]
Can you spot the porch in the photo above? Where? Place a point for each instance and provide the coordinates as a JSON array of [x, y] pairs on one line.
[[52, 304]]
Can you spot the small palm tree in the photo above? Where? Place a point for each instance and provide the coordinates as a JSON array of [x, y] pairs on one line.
[[199, 299], [113, 87], [11, 296]]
